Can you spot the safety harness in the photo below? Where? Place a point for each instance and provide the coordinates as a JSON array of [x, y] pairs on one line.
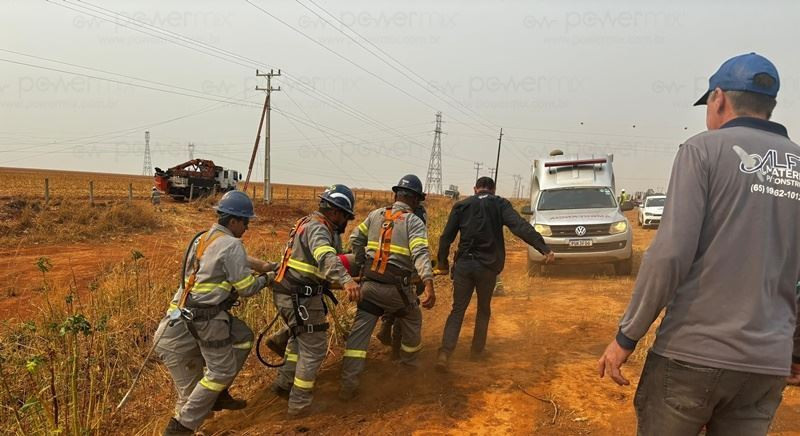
[[191, 311], [382, 272], [301, 292]]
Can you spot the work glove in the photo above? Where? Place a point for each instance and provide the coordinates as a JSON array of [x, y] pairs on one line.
[[270, 276]]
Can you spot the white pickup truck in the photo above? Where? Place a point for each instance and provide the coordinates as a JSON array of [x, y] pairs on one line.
[[574, 207]]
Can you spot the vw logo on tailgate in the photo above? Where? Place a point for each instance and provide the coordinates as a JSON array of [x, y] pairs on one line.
[[580, 230]]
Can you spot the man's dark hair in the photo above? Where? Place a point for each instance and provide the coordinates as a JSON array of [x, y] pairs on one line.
[[485, 183], [224, 219], [753, 103]]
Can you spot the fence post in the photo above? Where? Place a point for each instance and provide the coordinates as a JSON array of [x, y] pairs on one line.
[[287, 195], [314, 194], [130, 192], [46, 191], [191, 191], [254, 191], [91, 193]]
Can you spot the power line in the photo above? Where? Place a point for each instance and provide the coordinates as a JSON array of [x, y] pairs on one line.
[[183, 40]]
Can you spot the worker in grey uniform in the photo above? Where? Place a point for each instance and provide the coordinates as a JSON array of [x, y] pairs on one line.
[[390, 245], [198, 331], [389, 333], [309, 265], [724, 264]]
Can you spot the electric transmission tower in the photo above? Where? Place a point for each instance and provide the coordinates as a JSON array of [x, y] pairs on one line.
[[433, 183], [191, 151], [147, 169]]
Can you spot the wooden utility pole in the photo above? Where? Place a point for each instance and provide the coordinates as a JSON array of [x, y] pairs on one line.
[[497, 164], [267, 133], [477, 167]]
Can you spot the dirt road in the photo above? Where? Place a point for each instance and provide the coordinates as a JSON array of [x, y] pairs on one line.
[[545, 337]]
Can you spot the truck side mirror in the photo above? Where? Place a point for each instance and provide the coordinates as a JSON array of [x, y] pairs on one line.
[[626, 206], [526, 210]]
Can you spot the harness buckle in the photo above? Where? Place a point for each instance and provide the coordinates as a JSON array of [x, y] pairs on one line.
[[307, 291], [187, 314], [303, 312], [387, 224], [309, 328]]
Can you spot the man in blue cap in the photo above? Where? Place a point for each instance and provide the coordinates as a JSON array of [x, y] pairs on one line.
[[724, 264]]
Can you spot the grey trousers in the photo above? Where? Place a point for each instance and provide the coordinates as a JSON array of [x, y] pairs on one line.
[[388, 298], [678, 398], [304, 353], [185, 359]]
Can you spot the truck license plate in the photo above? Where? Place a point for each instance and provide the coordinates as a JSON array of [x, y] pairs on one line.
[[580, 243]]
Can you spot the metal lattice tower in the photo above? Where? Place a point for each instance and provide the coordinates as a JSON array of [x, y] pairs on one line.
[[191, 151], [433, 183], [147, 169]]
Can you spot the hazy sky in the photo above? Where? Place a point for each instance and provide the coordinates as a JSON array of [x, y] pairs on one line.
[[582, 76]]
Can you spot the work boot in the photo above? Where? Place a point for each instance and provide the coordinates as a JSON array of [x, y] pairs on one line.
[[347, 394], [442, 362], [385, 333], [277, 345], [280, 391], [305, 411], [226, 402], [175, 428]]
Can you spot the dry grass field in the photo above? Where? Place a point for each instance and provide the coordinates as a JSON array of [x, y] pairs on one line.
[[83, 287]]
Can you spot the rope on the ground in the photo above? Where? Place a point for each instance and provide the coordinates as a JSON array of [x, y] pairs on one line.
[[544, 400]]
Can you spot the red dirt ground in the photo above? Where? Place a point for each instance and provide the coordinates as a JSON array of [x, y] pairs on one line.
[[545, 337]]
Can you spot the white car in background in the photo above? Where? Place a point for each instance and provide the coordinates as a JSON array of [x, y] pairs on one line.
[[651, 210]]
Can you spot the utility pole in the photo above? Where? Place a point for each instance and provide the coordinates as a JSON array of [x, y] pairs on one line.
[[191, 151], [497, 164], [147, 168], [491, 174], [477, 166], [517, 184], [433, 183], [268, 134]]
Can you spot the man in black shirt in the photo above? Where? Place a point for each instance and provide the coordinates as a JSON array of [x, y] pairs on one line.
[[479, 259]]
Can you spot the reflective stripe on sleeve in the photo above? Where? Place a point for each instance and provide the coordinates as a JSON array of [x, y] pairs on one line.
[[363, 228], [321, 250], [417, 242], [212, 385], [408, 349], [303, 267], [360, 354], [303, 384], [248, 280], [243, 345], [291, 357]]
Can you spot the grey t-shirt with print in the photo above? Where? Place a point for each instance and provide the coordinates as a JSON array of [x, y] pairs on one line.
[[726, 259]]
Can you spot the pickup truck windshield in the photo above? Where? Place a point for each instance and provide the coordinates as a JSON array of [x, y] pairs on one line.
[[655, 202], [577, 198]]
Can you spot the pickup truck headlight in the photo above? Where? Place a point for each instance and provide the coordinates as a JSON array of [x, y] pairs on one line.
[[618, 227], [543, 229]]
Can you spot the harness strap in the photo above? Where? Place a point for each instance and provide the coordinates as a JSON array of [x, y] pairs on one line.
[[297, 230], [381, 259], [219, 343], [201, 249]]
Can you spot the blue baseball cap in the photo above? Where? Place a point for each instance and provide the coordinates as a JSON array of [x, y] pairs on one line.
[[737, 74]]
